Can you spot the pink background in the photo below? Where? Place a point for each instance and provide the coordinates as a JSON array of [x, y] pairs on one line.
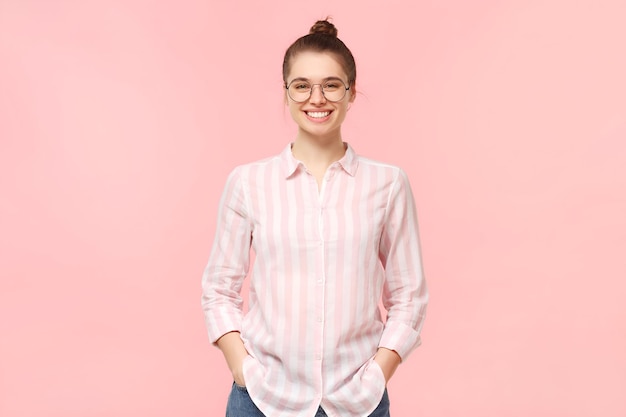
[[119, 121]]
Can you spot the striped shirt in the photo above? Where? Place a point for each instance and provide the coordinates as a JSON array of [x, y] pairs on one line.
[[324, 259]]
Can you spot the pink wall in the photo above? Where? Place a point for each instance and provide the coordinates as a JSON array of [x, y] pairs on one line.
[[120, 120]]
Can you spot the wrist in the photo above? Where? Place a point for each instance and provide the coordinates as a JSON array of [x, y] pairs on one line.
[[388, 360], [235, 353]]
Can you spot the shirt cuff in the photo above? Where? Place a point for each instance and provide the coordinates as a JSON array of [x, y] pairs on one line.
[[400, 337], [218, 323]]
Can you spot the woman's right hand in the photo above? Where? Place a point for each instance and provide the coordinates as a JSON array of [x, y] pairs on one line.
[[235, 353]]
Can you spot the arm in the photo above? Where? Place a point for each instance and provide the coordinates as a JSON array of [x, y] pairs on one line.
[[224, 275], [234, 352], [388, 360], [404, 293]]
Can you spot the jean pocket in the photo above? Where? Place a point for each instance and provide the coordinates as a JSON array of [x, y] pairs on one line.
[[240, 387]]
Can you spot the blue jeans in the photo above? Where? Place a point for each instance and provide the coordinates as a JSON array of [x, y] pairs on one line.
[[240, 405]]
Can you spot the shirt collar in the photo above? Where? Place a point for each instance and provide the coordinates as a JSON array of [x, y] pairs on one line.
[[348, 161]]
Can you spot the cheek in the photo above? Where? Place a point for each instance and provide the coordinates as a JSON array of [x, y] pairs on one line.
[[293, 110], [343, 111]]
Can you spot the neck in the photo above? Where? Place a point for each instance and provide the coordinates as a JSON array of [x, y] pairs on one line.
[[318, 153]]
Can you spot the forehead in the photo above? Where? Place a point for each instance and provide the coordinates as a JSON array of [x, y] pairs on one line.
[[315, 66]]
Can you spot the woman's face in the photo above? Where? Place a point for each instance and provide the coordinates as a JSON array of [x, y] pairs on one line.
[[317, 116]]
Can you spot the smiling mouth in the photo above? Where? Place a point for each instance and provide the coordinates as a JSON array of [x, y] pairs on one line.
[[318, 114]]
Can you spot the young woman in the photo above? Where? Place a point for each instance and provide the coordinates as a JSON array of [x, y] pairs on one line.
[[333, 233]]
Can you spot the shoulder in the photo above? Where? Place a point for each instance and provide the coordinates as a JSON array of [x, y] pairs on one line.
[[251, 168], [371, 164], [390, 178]]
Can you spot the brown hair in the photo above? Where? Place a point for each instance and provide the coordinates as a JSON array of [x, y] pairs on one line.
[[322, 38]]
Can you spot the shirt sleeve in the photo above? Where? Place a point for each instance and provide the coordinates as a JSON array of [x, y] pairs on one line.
[[404, 293], [228, 263]]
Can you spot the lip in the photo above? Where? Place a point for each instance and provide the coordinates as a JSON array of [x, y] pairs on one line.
[[318, 119]]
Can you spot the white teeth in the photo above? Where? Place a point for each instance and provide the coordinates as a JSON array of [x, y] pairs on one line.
[[318, 114]]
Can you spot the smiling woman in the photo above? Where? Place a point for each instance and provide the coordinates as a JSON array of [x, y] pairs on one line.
[[333, 234], [319, 112]]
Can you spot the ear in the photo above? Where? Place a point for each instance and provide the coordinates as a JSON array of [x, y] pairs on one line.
[[352, 93]]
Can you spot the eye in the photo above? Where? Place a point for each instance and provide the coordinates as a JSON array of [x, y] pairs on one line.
[[301, 86], [332, 85]]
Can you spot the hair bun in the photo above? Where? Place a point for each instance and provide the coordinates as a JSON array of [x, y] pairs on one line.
[[323, 27]]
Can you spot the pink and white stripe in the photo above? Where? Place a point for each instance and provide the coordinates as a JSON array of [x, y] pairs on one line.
[[324, 259]]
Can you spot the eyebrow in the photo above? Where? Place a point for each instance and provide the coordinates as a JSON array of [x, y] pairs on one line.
[[325, 79]]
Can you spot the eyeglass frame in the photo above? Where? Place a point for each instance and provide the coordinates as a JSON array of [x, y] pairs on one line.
[[321, 85]]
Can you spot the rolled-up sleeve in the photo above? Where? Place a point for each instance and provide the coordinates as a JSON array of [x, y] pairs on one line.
[[228, 263], [405, 295]]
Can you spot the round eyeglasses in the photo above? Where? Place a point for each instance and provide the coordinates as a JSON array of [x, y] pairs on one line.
[[332, 89]]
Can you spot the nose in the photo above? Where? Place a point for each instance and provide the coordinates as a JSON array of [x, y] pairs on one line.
[[317, 95]]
